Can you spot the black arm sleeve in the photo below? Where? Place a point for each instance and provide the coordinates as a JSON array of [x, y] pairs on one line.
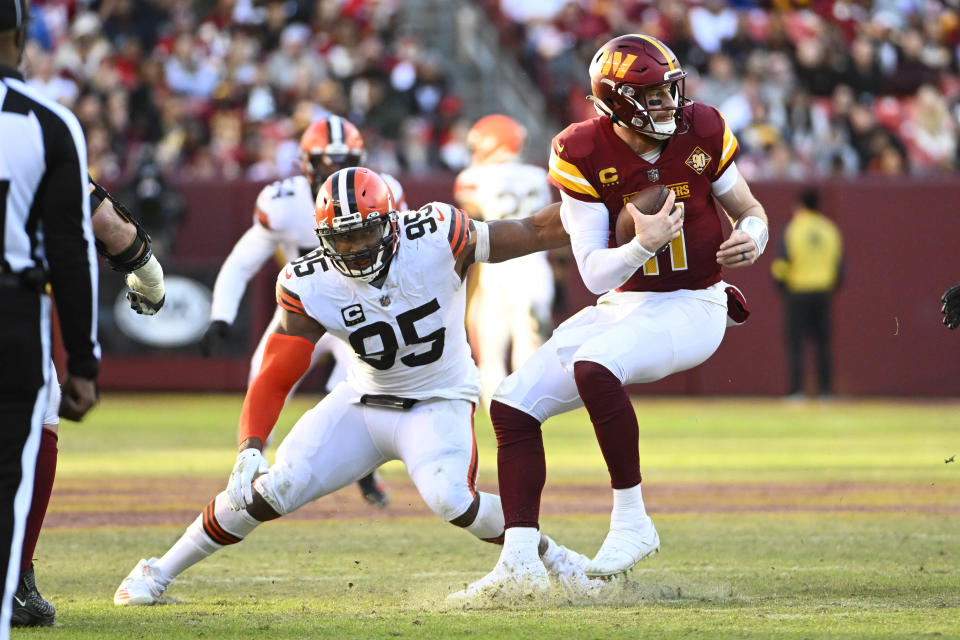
[[62, 204]]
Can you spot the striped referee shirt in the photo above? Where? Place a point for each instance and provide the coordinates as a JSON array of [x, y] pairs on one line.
[[45, 212]]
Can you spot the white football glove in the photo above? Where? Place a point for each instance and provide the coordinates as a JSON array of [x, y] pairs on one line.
[[250, 464], [147, 291]]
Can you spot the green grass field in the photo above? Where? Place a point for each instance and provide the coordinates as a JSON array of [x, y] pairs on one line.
[[777, 520]]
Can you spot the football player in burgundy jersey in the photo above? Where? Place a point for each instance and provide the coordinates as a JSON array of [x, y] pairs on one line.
[[391, 285], [659, 313]]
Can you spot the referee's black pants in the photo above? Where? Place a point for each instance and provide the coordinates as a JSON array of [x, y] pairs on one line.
[[24, 372]]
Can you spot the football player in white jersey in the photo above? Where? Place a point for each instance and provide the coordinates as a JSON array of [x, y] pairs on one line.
[[390, 285], [497, 186], [283, 221]]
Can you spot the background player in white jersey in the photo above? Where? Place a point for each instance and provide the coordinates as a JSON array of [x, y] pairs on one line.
[[283, 221], [391, 285], [497, 186]]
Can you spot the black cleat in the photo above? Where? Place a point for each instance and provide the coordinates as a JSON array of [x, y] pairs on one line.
[[29, 607], [374, 491]]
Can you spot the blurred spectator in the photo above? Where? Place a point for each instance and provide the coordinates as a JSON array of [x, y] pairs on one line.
[[157, 204], [931, 133], [44, 79], [131, 21], [189, 73], [862, 72], [790, 74], [720, 82], [912, 69], [712, 23], [781, 164], [293, 60], [81, 55], [888, 160], [208, 83]]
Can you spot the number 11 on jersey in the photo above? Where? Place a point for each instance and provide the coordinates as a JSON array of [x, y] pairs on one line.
[[678, 254]]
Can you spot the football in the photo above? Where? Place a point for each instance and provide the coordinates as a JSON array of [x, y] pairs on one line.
[[647, 202]]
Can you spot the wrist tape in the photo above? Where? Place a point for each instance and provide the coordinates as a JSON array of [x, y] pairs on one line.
[[756, 229], [481, 252]]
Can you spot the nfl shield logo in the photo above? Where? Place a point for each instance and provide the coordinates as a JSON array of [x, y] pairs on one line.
[[384, 300], [653, 175]]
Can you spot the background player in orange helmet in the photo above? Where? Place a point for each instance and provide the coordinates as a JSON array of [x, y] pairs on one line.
[[283, 221], [659, 313], [391, 284], [498, 186]]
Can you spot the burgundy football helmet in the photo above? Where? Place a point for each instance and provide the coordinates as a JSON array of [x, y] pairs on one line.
[[620, 74]]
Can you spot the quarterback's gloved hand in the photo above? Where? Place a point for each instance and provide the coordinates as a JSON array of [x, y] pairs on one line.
[[147, 293], [250, 464], [215, 338], [951, 307]]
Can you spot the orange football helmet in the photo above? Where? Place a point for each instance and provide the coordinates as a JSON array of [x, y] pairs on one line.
[[495, 138], [357, 222], [620, 73], [328, 145]]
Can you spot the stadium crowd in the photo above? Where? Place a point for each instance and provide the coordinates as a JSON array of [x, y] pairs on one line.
[[811, 88], [222, 89]]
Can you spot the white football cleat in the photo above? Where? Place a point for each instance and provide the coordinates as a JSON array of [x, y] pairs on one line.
[[624, 546], [143, 586], [507, 581], [569, 569]]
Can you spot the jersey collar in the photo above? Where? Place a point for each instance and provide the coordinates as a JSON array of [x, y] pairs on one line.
[[608, 126]]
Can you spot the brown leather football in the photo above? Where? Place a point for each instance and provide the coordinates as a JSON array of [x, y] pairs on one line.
[[648, 202]]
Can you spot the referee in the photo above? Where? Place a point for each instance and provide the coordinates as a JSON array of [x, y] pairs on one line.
[[46, 240]]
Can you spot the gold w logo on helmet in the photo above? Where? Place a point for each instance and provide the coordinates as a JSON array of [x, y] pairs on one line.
[[616, 62]]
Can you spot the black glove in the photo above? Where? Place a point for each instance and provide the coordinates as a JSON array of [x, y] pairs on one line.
[[142, 305], [215, 339], [951, 307]]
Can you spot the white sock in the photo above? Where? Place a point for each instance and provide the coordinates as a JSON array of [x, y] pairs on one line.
[[628, 506], [195, 545], [488, 524], [521, 544]]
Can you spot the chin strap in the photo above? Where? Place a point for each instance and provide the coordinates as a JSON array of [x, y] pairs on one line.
[[140, 250]]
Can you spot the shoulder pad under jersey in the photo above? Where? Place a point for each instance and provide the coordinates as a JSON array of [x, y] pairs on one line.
[[716, 135], [450, 224], [399, 197], [285, 204]]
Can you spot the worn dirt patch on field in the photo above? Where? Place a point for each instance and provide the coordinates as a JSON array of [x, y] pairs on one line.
[[137, 502]]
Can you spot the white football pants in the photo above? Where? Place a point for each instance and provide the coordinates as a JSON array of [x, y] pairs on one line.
[[639, 336], [513, 302], [338, 442]]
